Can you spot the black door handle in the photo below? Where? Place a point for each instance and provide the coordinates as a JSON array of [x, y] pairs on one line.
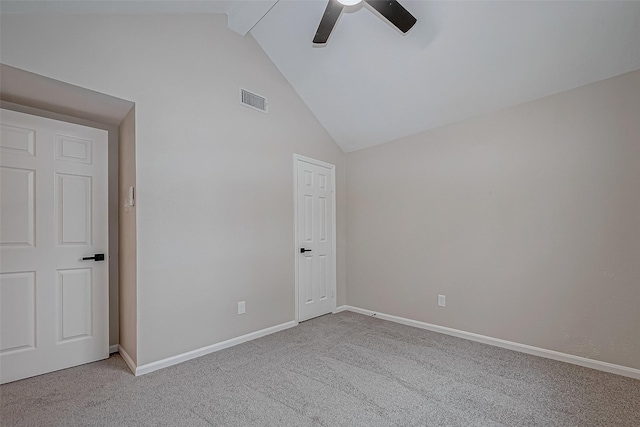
[[96, 257], [303, 250]]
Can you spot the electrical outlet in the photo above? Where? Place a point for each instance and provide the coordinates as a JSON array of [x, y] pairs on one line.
[[442, 301], [241, 307]]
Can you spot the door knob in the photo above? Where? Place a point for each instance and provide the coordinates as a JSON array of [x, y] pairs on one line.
[[303, 250], [96, 257]]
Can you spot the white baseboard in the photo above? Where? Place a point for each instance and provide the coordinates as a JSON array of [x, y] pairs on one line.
[[523, 348], [113, 348], [128, 360], [174, 360]]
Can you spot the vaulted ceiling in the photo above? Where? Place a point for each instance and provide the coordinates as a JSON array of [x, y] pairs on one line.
[[371, 84]]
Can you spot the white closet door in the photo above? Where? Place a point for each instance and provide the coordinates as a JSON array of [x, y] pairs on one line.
[[53, 212], [316, 235]]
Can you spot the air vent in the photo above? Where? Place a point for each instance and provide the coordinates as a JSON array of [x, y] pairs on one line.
[[253, 100]]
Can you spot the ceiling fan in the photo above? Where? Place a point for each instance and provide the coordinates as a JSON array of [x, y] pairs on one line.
[[390, 9]]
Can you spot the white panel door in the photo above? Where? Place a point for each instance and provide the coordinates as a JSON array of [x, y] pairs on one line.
[[315, 252], [53, 212]]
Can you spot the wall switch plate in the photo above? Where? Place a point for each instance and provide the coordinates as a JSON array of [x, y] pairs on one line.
[[241, 307], [442, 301]]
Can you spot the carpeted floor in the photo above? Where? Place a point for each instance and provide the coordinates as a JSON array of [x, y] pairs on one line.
[[336, 370]]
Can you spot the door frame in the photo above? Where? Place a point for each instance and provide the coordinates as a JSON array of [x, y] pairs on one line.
[[296, 159]]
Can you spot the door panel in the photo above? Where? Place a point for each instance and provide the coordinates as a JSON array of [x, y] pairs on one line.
[[17, 223], [53, 201], [74, 294], [316, 233], [73, 209], [17, 140], [18, 316]]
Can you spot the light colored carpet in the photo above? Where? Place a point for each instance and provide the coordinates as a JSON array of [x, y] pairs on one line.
[[336, 370]]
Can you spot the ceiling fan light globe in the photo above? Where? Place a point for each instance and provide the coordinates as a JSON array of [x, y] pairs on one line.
[[349, 2]]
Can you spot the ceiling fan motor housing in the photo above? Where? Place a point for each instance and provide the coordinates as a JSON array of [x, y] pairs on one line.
[[391, 10]]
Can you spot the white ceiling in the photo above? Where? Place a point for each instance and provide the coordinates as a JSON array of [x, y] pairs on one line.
[[371, 84], [117, 6]]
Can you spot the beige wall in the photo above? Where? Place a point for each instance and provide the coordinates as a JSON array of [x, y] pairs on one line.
[[214, 178], [528, 220], [128, 237]]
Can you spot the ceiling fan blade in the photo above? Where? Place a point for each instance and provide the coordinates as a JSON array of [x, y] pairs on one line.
[[329, 19], [395, 13]]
